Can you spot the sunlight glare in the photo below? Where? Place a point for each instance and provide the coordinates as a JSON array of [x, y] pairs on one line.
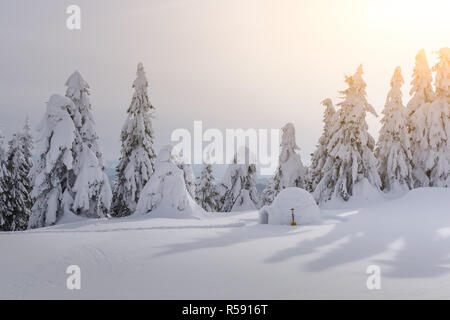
[[395, 14]]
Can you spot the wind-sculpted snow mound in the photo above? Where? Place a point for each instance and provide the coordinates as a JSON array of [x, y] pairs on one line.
[[436, 198], [305, 208], [165, 194]]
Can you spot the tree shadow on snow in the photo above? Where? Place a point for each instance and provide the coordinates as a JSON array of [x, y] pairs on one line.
[[230, 237], [408, 237], [413, 233]]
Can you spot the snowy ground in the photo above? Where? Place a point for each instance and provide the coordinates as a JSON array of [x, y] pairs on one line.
[[235, 258]]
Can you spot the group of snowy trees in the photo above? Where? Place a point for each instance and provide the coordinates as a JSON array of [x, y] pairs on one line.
[[69, 173], [348, 157], [428, 121], [413, 149], [68, 176]]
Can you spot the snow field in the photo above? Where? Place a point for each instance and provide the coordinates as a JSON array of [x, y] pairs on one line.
[[233, 257]]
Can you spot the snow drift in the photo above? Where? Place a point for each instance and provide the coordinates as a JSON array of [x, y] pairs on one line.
[[305, 208], [364, 194]]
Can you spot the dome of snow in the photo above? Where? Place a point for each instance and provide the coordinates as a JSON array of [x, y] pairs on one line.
[[305, 208]]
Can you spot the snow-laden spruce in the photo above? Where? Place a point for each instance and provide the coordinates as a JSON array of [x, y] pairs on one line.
[[165, 194], [137, 155], [422, 95], [350, 149], [237, 190], [206, 191], [19, 185], [436, 145], [51, 190], [393, 150], [90, 185], [320, 155], [3, 186], [78, 92], [91, 190], [290, 171]]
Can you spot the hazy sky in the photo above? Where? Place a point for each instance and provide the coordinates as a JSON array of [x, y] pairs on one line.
[[230, 63]]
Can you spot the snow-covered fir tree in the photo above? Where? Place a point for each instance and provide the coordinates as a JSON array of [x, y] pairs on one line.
[[237, 190], [422, 95], [27, 144], [290, 171], [137, 155], [91, 191], [89, 184], [320, 155], [393, 150], [165, 194], [78, 92], [19, 185], [350, 149], [51, 190], [3, 186], [435, 146], [207, 194]]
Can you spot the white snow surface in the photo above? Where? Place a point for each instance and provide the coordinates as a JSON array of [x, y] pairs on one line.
[[305, 208], [231, 256]]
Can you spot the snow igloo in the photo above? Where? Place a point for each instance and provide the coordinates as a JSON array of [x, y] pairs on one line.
[[305, 208]]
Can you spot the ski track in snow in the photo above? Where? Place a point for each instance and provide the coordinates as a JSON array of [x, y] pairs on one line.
[[217, 226]]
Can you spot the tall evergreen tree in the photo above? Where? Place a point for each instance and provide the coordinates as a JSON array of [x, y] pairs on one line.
[[27, 145], [19, 185], [137, 155], [207, 194], [350, 149], [4, 174], [78, 92], [51, 190], [320, 155], [422, 95], [393, 150], [90, 187], [436, 143]]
